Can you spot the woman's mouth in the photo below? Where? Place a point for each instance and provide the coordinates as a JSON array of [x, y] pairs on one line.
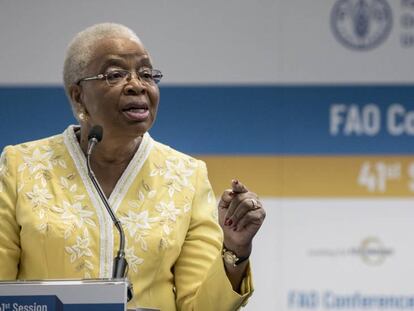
[[136, 112]]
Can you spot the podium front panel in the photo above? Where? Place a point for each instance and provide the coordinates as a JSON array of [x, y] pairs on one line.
[[63, 295]]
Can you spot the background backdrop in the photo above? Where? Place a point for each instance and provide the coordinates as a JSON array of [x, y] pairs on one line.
[[310, 103]]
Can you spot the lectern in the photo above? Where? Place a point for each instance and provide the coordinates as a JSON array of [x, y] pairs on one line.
[[64, 295]]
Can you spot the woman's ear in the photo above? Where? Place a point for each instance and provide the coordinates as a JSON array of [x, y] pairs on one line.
[[75, 92], [79, 110]]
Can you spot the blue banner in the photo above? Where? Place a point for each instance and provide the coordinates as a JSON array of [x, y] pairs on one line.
[[251, 120]]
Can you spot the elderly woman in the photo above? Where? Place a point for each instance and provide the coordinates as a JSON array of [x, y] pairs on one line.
[[184, 253]]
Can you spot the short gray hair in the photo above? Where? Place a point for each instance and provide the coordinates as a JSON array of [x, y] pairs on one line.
[[79, 51]]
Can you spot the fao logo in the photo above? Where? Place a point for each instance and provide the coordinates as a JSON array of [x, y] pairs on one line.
[[361, 24]]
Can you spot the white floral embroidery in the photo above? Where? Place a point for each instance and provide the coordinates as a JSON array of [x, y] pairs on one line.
[[159, 170], [88, 266], [40, 160], [176, 173], [42, 214], [37, 161], [137, 203], [37, 170], [136, 221], [163, 243], [150, 194], [66, 185], [134, 204], [141, 196], [172, 188], [187, 204], [168, 214], [141, 239], [42, 227], [81, 248], [137, 226], [39, 196], [75, 213], [43, 176], [133, 260], [168, 210]]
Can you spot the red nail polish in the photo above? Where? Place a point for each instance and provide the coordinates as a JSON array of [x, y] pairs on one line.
[[235, 181], [231, 193], [230, 222]]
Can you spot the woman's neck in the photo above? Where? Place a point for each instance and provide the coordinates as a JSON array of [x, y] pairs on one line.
[[110, 158], [111, 150]]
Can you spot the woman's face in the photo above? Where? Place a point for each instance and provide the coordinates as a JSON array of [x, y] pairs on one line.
[[128, 109]]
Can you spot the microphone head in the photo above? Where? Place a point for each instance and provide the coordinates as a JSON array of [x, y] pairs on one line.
[[96, 132]]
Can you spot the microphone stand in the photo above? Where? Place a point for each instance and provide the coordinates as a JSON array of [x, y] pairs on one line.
[[120, 266]]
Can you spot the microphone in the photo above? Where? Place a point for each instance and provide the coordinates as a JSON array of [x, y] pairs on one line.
[[94, 137], [119, 270]]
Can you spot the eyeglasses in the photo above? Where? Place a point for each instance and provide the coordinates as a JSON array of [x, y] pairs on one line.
[[120, 77]]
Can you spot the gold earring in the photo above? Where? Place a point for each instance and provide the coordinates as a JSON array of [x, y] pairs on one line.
[[82, 116]]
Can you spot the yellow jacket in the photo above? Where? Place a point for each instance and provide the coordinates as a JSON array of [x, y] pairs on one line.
[[53, 224]]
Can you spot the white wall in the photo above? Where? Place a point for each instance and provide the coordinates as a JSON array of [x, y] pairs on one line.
[[233, 41]]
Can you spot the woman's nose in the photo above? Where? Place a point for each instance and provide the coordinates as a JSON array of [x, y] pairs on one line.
[[134, 85]]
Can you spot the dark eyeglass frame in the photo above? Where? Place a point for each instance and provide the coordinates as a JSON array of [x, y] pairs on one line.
[[155, 74]]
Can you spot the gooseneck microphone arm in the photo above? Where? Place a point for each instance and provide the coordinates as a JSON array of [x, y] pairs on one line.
[[120, 263]]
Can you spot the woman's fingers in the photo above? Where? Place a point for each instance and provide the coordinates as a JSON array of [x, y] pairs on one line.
[[237, 194], [238, 187], [225, 199], [240, 205], [256, 217], [236, 204]]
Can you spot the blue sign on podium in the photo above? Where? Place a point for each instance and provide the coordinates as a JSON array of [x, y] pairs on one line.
[[64, 295]]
